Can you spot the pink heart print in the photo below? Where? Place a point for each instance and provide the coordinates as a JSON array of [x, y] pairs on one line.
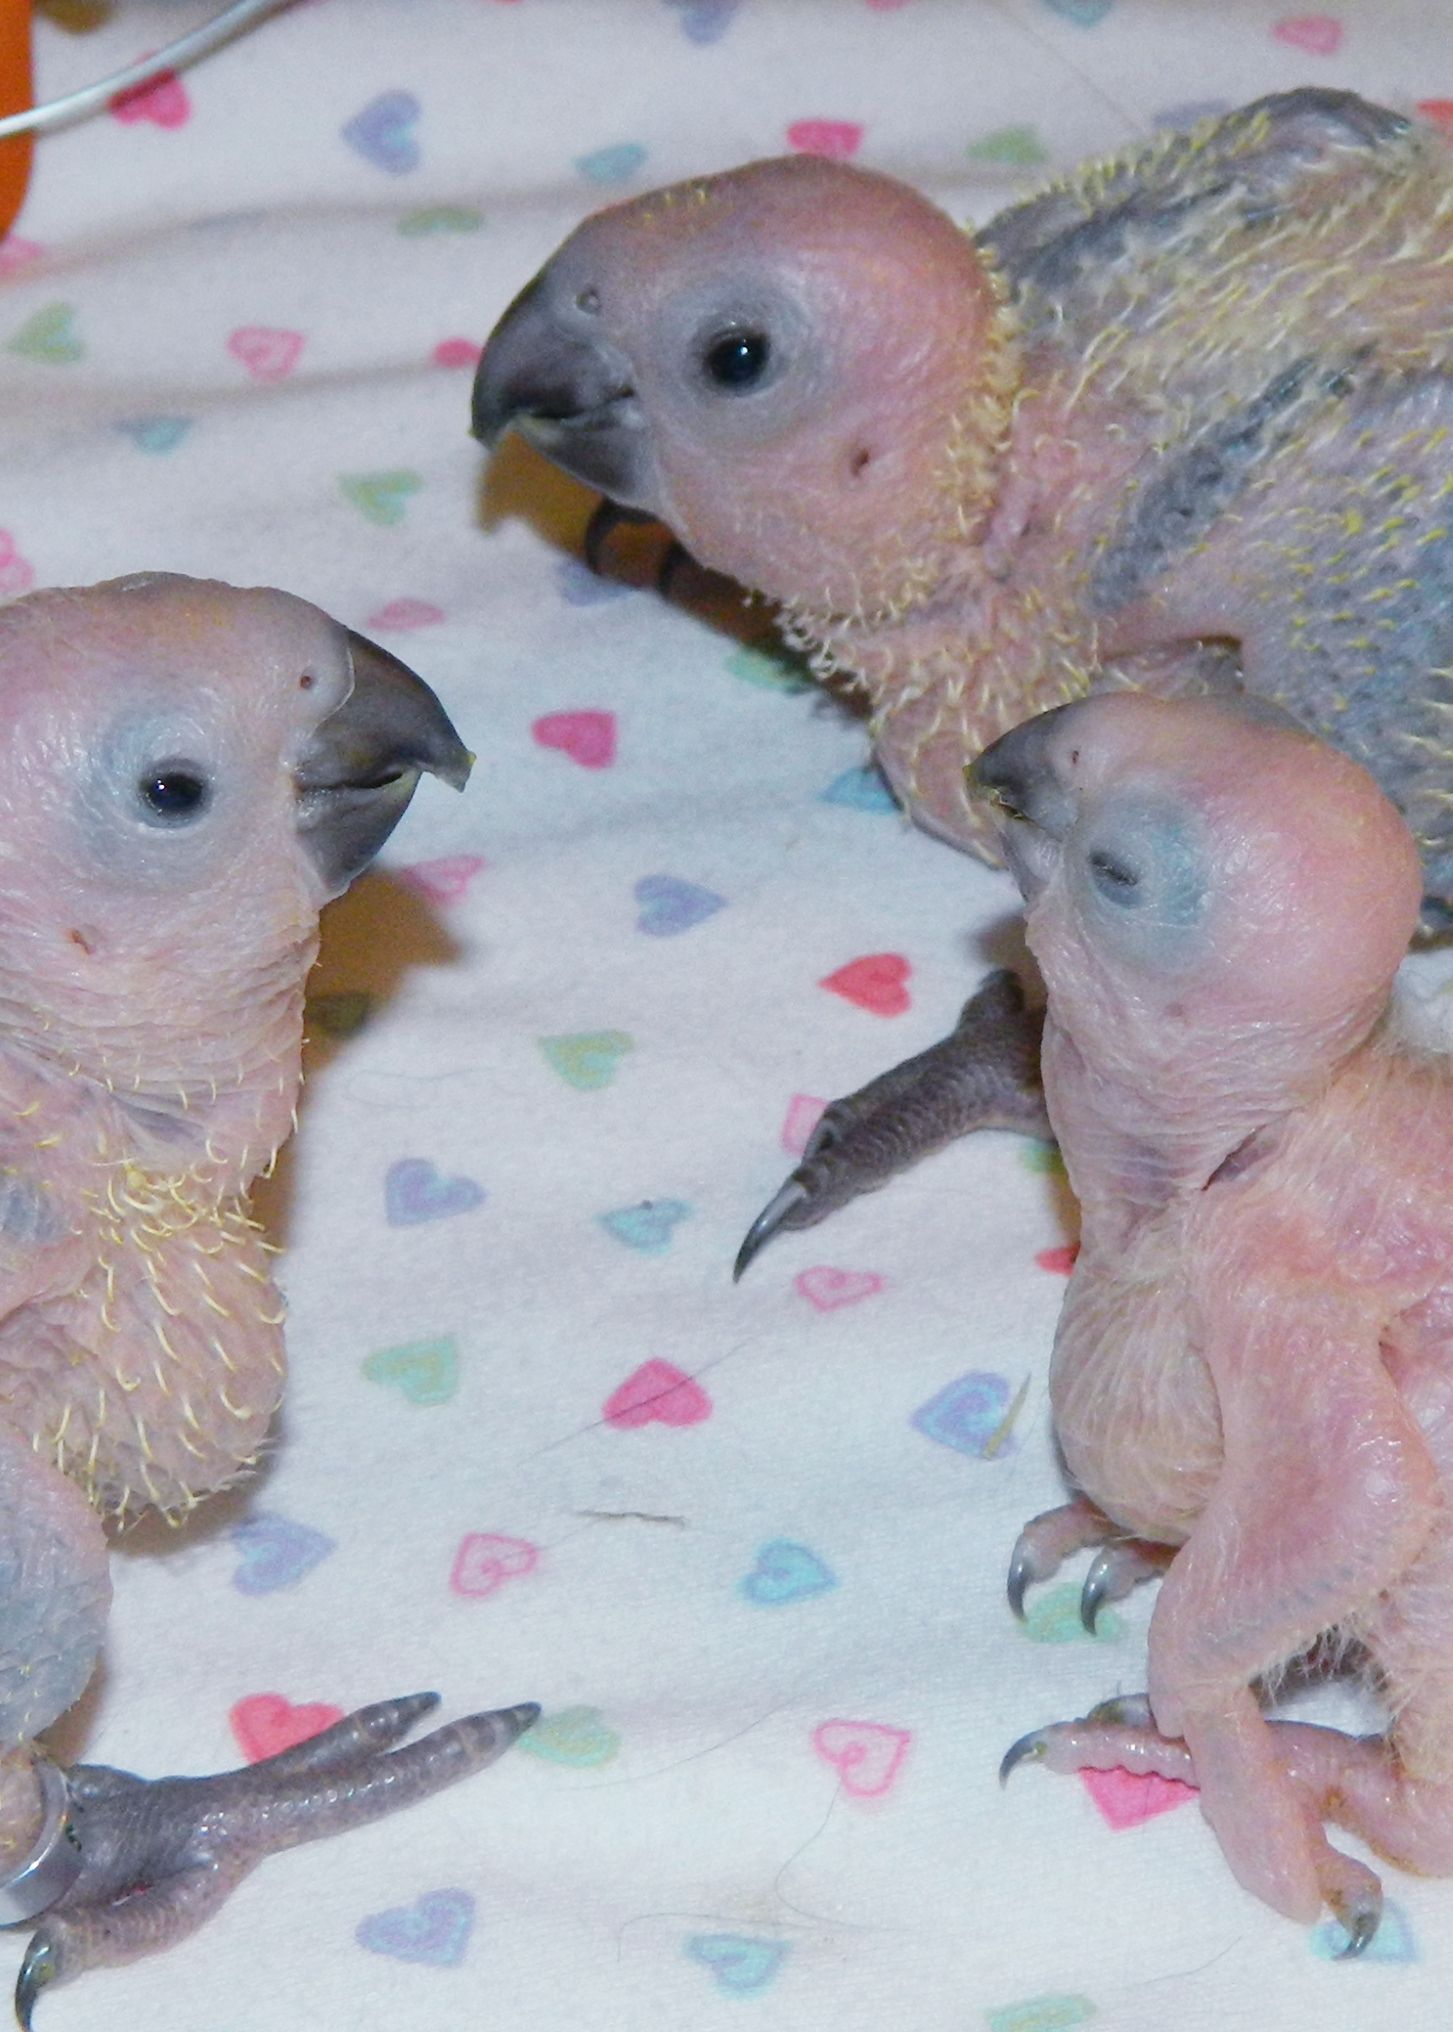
[[827, 1288], [1315, 34], [588, 738], [446, 880], [17, 575], [267, 354], [485, 1561], [878, 982], [16, 253], [867, 1756], [658, 1393], [400, 615], [162, 101], [1126, 1798], [458, 353], [265, 1723], [836, 139], [804, 1112]]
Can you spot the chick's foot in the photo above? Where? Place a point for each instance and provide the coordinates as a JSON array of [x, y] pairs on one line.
[[157, 1857]]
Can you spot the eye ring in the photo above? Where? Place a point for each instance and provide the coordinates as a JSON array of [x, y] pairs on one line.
[[173, 793], [736, 361]]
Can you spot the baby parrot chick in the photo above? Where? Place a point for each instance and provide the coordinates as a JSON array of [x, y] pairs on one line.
[[1252, 1383], [188, 772], [1180, 422]]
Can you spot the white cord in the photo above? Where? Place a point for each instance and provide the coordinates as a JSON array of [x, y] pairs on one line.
[[187, 49]]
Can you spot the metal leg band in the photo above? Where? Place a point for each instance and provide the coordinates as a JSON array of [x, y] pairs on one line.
[[54, 1863]]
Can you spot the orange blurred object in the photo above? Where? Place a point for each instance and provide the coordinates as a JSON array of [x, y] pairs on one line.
[[15, 96]]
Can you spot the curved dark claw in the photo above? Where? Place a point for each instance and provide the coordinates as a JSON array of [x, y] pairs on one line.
[[1362, 1931], [1097, 1588], [1114, 1573], [1032, 1748], [1021, 1573], [606, 518], [673, 558], [1361, 1918], [36, 1971], [774, 1215]]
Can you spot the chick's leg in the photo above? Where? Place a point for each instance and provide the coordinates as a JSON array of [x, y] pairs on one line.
[[1327, 1500], [55, 1595], [1323, 1775], [145, 1863], [159, 1856], [1396, 1791], [983, 1075]]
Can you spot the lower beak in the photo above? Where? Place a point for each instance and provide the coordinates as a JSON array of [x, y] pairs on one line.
[[362, 764]]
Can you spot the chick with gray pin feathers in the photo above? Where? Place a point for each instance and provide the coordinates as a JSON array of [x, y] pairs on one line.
[[1252, 1382], [1180, 423], [188, 773]]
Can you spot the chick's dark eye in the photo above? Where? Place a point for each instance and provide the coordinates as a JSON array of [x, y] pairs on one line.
[[1113, 878], [174, 794], [737, 360]]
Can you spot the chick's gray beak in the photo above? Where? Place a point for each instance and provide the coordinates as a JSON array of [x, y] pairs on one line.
[[550, 372], [362, 764], [1016, 775], [1032, 808]]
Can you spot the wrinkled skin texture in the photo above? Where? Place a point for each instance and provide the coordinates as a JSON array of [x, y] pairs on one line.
[[1180, 422], [187, 773], [1254, 1366]]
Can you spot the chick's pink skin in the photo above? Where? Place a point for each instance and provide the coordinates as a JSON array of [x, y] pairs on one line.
[[1164, 1062], [164, 973], [1017, 417], [861, 450], [880, 488], [151, 984], [1255, 1359], [187, 773], [851, 488], [151, 989]]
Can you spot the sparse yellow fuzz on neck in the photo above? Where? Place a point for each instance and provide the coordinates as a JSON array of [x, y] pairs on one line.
[[142, 1405], [917, 566]]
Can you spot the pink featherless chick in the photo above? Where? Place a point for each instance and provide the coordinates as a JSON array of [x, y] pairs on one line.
[[187, 773], [1179, 421], [1252, 1382]]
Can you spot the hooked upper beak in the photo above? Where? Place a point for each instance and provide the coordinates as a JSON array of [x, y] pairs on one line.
[[1032, 809], [1016, 775], [549, 371], [362, 764]]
